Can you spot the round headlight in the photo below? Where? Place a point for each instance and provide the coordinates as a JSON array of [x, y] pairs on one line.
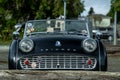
[[89, 45], [26, 45]]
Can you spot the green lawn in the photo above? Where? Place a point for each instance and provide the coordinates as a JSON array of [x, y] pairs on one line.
[[4, 42]]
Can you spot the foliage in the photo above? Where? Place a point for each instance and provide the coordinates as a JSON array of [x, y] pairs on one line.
[[96, 17], [14, 11], [115, 6], [55, 8], [91, 11]]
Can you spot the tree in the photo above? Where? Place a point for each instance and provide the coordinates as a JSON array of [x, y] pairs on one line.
[[74, 8], [58, 8], [115, 6], [91, 11], [45, 9], [55, 8], [14, 11]]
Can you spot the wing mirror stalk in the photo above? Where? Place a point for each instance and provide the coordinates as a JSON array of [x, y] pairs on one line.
[[18, 27], [16, 33]]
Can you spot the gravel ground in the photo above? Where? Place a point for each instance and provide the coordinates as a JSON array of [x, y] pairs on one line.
[[114, 62]]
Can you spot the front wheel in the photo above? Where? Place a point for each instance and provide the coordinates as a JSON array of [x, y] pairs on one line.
[[104, 67]]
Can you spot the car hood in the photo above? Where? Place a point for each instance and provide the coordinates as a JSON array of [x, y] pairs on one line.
[[58, 43]]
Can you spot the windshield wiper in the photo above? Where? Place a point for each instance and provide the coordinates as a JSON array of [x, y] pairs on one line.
[[36, 33], [76, 33], [45, 33], [56, 33]]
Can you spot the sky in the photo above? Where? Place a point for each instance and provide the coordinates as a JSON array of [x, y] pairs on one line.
[[100, 6]]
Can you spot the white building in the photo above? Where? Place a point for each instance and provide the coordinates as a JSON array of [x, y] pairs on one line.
[[99, 20]]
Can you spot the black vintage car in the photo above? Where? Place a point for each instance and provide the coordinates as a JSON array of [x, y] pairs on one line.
[[55, 44]]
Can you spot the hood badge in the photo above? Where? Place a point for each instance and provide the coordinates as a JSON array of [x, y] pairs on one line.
[[58, 44]]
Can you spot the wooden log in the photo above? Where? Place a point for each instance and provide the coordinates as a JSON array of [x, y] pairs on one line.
[[57, 75]]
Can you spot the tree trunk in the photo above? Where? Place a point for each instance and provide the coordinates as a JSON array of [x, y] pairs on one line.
[[57, 75]]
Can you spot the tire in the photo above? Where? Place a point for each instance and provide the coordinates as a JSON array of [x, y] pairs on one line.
[[105, 66]]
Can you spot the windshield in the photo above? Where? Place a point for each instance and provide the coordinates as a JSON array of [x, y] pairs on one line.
[[55, 26]]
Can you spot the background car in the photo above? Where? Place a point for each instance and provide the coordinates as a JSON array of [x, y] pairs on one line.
[[106, 32], [53, 45], [97, 33]]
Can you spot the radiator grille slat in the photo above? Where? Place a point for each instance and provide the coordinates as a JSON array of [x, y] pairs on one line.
[[58, 62]]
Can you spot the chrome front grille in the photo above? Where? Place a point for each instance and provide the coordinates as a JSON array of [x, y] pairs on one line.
[[58, 62]]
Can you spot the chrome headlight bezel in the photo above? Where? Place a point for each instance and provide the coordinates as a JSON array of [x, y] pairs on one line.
[[89, 45], [26, 45]]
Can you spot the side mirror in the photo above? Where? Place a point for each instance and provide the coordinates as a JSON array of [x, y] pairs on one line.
[[18, 26], [16, 33]]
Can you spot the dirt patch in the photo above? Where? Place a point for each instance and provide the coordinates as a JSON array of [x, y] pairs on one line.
[[112, 49]]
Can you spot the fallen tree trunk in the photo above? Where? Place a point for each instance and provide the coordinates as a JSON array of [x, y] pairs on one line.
[[57, 75]]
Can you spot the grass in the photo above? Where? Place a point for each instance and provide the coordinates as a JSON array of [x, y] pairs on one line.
[[4, 42]]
